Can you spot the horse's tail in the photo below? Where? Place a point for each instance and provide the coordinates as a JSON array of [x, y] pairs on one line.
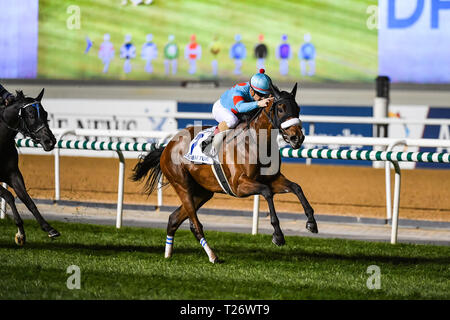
[[149, 163]]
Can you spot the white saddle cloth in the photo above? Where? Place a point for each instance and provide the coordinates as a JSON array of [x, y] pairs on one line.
[[195, 152]]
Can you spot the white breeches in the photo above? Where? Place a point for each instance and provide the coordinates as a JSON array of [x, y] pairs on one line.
[[221, 113]]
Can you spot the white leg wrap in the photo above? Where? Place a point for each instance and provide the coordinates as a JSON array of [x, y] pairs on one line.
[[209, 252], [169, 247]]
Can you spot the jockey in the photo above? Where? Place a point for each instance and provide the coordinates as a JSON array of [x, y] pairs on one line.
[[241, 98], [6, 98]]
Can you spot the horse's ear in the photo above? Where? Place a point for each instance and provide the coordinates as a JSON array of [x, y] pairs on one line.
[[39, 97], [294, 90], [20, 95]]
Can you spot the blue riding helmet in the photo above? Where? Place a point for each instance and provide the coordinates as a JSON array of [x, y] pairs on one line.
[[260, 82]]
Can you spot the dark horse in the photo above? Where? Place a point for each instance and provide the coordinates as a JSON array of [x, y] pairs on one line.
[[195, 184], [27, 116]]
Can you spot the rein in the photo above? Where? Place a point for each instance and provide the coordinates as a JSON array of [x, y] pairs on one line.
[[257, 113]]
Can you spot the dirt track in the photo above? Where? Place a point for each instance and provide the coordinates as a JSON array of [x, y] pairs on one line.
[[352, 191]]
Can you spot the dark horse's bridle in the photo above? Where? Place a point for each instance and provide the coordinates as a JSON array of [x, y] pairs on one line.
[[22, 126]]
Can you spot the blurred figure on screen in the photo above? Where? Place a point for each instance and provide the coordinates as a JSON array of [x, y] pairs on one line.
[[170, 55], [238, 53], [149, 52], [192, 53], [127, 52], [89, 44], [106, 52], [284, 54], [307, 57], [260, 53], [214, 48]]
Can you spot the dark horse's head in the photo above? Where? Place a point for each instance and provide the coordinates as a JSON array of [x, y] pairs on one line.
[[284, 115], [27, 116]]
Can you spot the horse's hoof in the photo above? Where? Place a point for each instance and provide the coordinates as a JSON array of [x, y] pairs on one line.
[[312, 227], [217, 261], [278, 241], [20, 239], [52, 234]]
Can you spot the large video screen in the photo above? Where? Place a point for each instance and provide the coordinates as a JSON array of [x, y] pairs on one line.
[[308, 40], [414, 40]]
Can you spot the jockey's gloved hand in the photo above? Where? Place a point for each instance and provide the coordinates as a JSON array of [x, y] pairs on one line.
[[265, 102]]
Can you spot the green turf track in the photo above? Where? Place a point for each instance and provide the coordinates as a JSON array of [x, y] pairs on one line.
[[346, 48], [129, 264]]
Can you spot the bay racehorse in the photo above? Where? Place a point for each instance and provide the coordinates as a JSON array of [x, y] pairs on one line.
[[27, 116], [195, 184]]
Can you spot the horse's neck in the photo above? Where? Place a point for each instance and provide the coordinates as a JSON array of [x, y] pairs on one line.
[[261, 137], [6, 137], [6, 125], [262, 122]]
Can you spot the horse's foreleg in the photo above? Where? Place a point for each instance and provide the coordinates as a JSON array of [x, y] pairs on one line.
[[283, 185], [9, 198], [250, 187], [17, 183], [277, 237]]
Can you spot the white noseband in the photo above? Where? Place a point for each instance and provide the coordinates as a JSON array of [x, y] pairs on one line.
[[290, 122]]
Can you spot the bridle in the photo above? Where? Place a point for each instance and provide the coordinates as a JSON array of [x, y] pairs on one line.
[[283, 123], [22, 126]]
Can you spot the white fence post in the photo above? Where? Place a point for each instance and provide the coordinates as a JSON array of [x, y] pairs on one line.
[[3, 204], [388, 179], [57, 167], [394, 231], [57, 186], [388, 190], [120, 189], [255, 214]]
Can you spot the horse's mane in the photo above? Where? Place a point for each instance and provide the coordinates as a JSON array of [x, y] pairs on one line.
[[285, 94]]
